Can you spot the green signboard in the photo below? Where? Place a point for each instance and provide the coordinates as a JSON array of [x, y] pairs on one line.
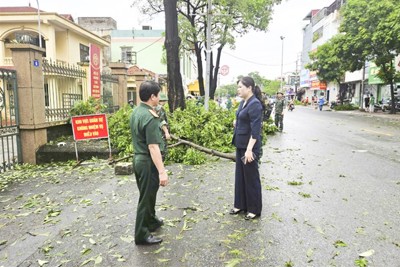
[[372, 75]]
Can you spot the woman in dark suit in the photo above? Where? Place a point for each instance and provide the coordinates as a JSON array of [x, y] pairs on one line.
[[247, 140]]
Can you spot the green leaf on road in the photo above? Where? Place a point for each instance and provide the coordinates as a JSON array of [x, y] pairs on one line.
[[41, 263], [163, 260], [340, 243], [98, 260], [86, 251], [367, 253], [233, 262]]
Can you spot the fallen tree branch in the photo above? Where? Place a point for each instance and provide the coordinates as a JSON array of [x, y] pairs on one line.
[[204, 149], [213, 152]]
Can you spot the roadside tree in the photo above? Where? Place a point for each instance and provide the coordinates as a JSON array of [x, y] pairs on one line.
[[372, 30], [176, 96], [230, 18], [327, 62]]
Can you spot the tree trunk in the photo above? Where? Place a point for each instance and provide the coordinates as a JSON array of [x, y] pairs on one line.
[[176, 96], [200, 77], [214, 81]]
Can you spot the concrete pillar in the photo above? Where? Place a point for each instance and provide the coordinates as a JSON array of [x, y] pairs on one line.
[[120, 93], [139, 78], [27, 60]]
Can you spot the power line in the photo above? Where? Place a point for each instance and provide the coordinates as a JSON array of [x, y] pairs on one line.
[[257, 63], [149, 45]]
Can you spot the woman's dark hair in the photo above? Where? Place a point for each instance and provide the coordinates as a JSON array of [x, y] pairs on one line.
[[147, 89], [248, 81]]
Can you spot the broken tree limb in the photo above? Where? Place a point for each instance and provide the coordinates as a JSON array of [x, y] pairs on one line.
[[213, 152], [203, 149]]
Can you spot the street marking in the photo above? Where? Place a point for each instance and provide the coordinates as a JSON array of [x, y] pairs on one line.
[[375, 132]]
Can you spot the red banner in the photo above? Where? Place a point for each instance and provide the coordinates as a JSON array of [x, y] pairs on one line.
[[89, 127], [95, 71], [318, 85]]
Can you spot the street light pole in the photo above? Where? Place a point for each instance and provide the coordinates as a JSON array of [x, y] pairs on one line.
[[282, 37], [208, 56], [40, 35]]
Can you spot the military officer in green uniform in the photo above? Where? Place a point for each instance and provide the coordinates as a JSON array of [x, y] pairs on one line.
[[148, 165], [280, 105]]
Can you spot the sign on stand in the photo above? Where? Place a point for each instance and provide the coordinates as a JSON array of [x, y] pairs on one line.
[[90, 127]]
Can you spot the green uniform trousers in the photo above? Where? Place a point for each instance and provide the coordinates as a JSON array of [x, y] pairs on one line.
[[148, 182], [279, 121]]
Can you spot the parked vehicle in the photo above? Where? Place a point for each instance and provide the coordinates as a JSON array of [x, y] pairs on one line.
[[387, 104]]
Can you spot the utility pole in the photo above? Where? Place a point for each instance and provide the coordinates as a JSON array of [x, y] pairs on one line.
[[282, 37], [297, 78], [208, 56]]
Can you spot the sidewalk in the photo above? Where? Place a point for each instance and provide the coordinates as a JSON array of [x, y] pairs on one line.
[[377, 114]]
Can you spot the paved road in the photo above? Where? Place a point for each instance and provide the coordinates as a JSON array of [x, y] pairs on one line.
[[330, 192]]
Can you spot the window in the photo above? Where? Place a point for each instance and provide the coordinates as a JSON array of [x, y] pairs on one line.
[[84, 53], [46, 95], [127, 55]]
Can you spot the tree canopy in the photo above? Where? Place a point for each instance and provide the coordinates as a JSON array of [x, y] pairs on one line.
[[326, 60], [230, 19], [371, 29]]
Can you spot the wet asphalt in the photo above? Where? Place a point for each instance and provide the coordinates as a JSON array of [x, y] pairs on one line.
[[331, 191]]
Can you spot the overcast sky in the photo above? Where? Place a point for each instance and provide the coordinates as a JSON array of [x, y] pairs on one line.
[[254, 52]]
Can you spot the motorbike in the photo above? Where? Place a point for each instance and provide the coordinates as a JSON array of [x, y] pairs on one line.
[[387, 105]]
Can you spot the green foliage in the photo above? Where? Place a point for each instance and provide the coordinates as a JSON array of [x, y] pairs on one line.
[[361, 262], [326, 60], [194, 157], [90, 106], [372, 31], [297, 102], [229, 89], [271, 87], [345, 107], [119, 130], [212, 128]]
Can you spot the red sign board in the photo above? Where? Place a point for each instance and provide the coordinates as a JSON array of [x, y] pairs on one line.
[[95, 71], [89, 127], [318, 85]]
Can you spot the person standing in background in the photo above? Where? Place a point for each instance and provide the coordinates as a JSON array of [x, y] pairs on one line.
[[366, 103], [371, 104], [280, 106], [321, 102]]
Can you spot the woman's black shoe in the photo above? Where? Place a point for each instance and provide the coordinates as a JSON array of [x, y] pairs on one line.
[[235, 211], [251, 216]]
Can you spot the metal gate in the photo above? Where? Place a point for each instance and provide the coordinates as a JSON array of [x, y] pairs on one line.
[[10, 143]]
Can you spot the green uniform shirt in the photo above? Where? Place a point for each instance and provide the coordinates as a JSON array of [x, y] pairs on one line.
[[145, 128], [279, 106], [163, 121]]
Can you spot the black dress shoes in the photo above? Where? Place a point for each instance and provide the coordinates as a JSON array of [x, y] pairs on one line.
[[235, 211], [150, 240], [251, 216]]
